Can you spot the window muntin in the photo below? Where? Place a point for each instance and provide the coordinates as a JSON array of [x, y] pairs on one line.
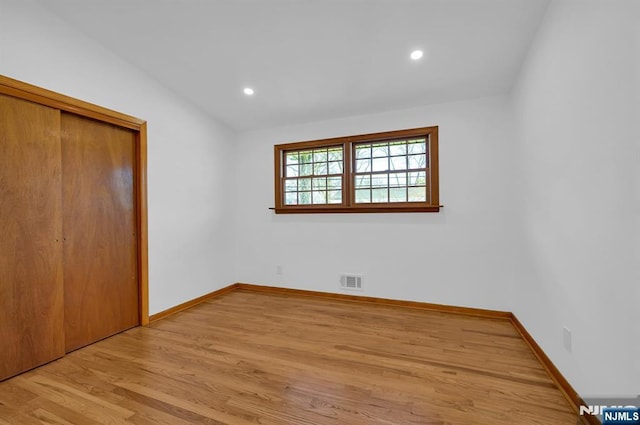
[[391, 171], [394, 171], [313, 176]]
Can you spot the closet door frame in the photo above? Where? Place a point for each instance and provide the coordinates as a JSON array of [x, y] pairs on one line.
[[21, 90]]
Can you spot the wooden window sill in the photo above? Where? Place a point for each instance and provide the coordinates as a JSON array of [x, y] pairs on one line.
[[365, 209]]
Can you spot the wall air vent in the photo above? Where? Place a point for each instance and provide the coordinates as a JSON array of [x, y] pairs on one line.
[[351, 281]]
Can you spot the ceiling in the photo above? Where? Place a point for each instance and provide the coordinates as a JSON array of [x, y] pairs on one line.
[[311, 60]]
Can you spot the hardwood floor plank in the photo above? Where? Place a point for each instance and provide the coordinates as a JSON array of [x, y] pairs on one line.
[[168, 408], [280, 359]]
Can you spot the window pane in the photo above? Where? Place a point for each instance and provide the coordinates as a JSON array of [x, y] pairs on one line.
[[319, 183], [379, 195], [398, 148], [398, 162], [363, 165], [334, 197], [416, 146], [306, 169], [363, 151], [320, 169], [335, 154], [398, 195], [397, 179], [291, 199], [380, 149], [291, 185], [418, 178], [291, 171], [380, 164], [335, 167], [363, 181], [304, 198], [380, 180], [320, 197], [306, 156], [304, 184], [334, 182], [363, 196], [417, 161], [292, 158], [319, 155], [417, 194]]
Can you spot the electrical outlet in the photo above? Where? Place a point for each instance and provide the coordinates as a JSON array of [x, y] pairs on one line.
[[566, 338], [278, 269]]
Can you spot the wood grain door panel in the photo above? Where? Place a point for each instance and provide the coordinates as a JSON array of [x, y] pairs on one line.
[[31, 287], [99, 225]]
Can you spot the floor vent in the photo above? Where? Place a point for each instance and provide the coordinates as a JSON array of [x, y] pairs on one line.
[[351, 281]]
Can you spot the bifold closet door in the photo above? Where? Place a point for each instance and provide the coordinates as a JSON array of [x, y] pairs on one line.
[[31, 288], [99, 227]]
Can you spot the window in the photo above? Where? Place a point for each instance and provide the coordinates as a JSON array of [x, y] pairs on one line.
[[395, 171]]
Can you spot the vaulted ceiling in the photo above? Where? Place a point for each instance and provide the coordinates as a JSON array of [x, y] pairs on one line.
[[310, 60]]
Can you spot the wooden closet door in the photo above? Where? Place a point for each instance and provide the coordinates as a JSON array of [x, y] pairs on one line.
[[99, 225], [31, 292]]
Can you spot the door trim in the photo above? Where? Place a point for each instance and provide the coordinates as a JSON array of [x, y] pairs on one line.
[[21, 90]]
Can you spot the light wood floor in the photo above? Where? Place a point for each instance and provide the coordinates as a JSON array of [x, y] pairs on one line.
[[269, 359]]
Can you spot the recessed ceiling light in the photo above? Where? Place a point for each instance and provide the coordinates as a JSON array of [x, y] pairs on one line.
[[416, 54], [248, 91]]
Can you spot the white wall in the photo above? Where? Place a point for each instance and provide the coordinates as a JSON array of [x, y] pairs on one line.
[[189, 155], [577, 114], [463, 255]]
